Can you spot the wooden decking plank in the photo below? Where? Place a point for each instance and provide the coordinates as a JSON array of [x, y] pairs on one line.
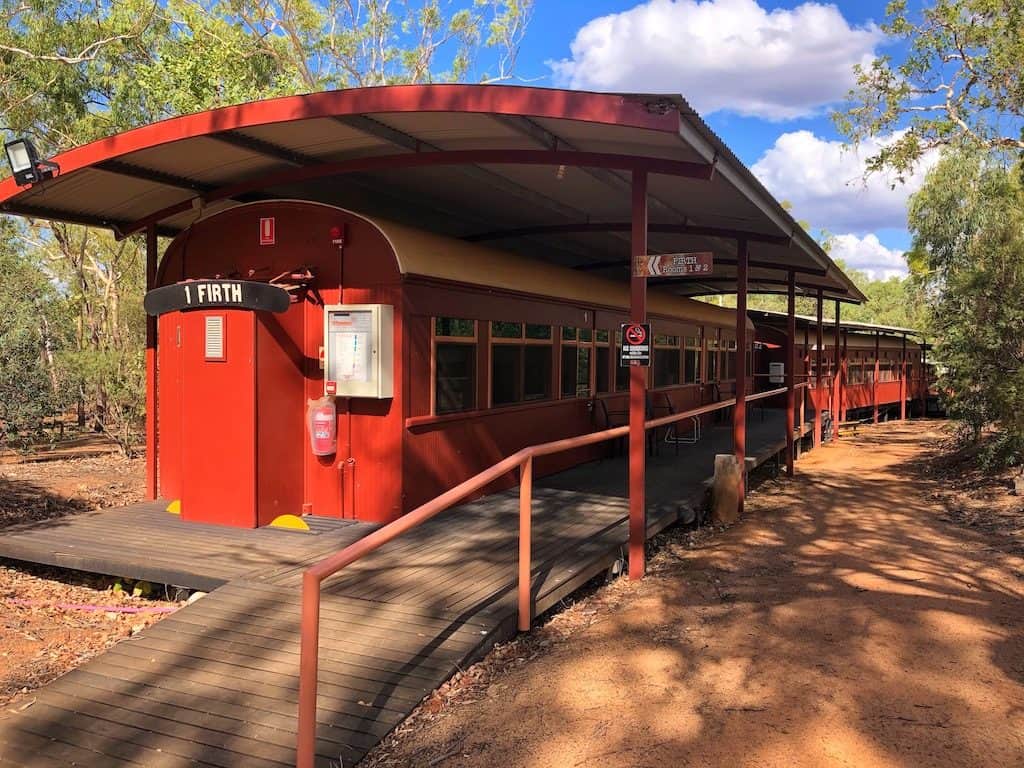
[[479, 591], [92, 749], [342, 612], [410, 688], [256, 725], [459, 635], [286, 650], [119, 550], [271, 711], [555, 532], [347, 604], [119, 741], [358, 637], [23, 749], [218, 748], [285, 691], [342, 671]]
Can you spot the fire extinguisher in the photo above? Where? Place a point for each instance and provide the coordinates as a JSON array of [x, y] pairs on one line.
[[322, 420]]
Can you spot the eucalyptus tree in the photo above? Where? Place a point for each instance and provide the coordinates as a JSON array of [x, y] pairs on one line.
[[76, 70]]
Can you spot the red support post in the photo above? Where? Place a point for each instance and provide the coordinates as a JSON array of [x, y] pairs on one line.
[[790, 374], [638, 386], [806, 379], [151, 373], [525, 544], [836, 376], [874, 380], [819, 401], [739, 414], [844, 382], [924, 380], [903, 380], [309, 662]]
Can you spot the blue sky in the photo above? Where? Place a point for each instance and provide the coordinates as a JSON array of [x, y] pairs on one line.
[[764, 74]]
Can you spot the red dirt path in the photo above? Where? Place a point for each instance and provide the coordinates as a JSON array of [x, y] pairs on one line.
[[843, 622]]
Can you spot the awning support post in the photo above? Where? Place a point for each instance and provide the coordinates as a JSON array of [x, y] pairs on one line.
[[819, 400], [903, 380], [874, 380], [790, 374], [845, 380], [638, 385], [151, 374], [923, 378], [805, 392], [739, 414], [837, 380]]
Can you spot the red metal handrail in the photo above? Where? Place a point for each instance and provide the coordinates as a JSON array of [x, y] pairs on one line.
[[314, 576]]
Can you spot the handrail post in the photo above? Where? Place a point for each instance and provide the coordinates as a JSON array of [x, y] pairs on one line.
[[525, 554], [309, 651]]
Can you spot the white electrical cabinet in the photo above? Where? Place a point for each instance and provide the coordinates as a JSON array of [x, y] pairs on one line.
[[359, 350]]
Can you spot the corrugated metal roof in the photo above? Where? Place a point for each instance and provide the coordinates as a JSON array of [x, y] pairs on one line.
[[321, 147]]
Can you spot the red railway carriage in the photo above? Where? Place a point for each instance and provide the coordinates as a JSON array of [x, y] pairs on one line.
[[877, 366], [431, 357], [490, 354]]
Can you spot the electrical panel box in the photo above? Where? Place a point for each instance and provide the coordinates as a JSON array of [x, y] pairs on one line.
[[359, 350]]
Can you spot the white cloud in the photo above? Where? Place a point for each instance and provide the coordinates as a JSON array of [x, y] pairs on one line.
[[722, 55], [869, 255], [824, 180]]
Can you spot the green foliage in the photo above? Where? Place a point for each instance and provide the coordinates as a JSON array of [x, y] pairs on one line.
[[958, 84], [31, 389], [75, 70], [968, 227]]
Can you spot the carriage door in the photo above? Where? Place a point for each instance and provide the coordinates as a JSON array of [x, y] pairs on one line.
[[218, 416]]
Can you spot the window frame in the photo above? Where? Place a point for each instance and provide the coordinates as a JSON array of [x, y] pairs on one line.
[[662, 341], [521, 341], [469, 341], [576, 341]]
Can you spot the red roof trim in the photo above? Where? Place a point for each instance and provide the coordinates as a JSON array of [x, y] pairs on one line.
[[613, 109]]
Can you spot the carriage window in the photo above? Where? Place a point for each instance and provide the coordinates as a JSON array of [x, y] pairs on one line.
[[728, 364], [666, 360], [520, 362], [691, 360], [854, 372], [501, 330], [602, 360], [621, 371], [454, 364], [577, 347], [712, 356]]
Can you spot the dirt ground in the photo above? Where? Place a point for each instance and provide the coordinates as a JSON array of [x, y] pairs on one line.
[[848, 620], [52, 620]]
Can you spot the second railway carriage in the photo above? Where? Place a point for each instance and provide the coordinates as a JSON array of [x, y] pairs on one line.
[[480, 354], [875, 364]]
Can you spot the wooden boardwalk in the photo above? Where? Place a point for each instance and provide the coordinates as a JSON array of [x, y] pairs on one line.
[[215, 684]]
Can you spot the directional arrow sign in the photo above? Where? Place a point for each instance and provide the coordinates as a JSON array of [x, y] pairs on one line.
[[674, 265]]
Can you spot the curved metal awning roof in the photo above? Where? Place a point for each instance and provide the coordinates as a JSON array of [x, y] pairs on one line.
[[535, 171]]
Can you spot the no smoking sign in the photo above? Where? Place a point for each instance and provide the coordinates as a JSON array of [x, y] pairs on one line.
[[636, 344]]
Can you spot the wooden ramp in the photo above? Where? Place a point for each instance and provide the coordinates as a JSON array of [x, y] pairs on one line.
[[215, 684]]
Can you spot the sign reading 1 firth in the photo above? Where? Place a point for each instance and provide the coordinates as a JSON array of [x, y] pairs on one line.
[[674, 265]]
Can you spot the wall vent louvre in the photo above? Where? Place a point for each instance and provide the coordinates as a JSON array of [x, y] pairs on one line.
[[214, 337]]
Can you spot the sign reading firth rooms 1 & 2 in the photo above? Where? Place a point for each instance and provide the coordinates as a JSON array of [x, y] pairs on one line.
[[674, 265]]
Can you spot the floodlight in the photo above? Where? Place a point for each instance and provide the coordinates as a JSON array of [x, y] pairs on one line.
[[26, 165]]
